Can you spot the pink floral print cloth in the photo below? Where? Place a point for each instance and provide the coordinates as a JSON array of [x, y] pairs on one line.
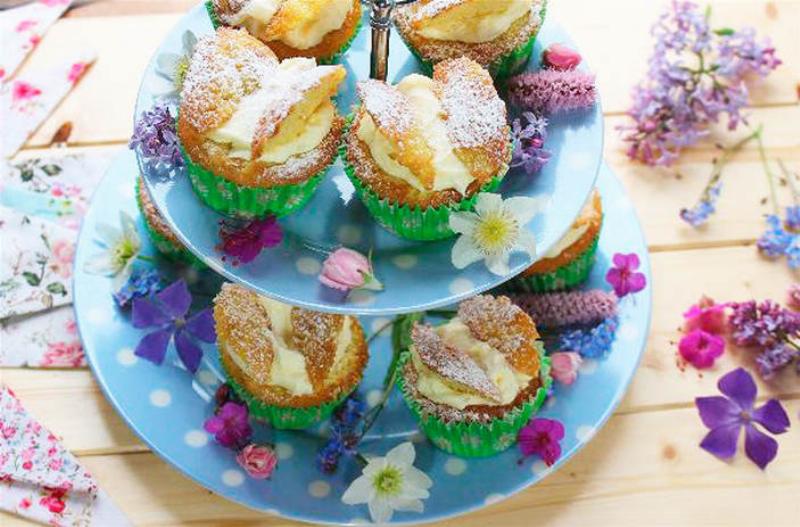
[[22, 28], [36, 264], [48, 339], [27, 100], [40, 479]]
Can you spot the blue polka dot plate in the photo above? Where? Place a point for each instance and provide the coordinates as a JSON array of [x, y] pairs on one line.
[[417, 275], [147, 396]]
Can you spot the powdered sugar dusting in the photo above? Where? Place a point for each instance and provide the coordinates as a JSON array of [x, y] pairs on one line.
[[389, 107], [435, 7]]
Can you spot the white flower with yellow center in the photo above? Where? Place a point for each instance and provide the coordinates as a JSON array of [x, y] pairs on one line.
[[173, 66], [390, 483], [121, 247], [494, 231]]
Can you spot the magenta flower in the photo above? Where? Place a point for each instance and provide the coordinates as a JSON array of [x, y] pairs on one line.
[[794, 296], [541, 437], [560, 57], [230, 425], [726, 416], [701, 349], [259, 461], [623, 276], [168, 310], [244, 242], [706, 315], [564, 366], [346, 269]]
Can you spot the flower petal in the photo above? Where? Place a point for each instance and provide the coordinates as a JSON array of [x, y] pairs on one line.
[[488, 202], [498, 264], [189, 42], [759, 447], [188, 350], [167, 64], [463, 222], [523, 209], [740, 387], [402, 455], [360, 491], [153, 346], [717, 411], [201, 325], [417, 478], [526, 242], [721, 441], [175, 298], [102, 264], [145, 314], [772, 416], [636, 282], [380, 510], [108, 234], [409, 505], [465, 252]]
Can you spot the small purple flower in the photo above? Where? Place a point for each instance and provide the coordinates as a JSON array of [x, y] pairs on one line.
[[141, 283], [623, 276], [230, 425], [528, 143], [591, 343], [155, 137], [168, 311], [243, 242], [775, 241], [775, 358], [699, 214], [793, 218], [762, 323], [726, 416], [541, 437], [344, 439]]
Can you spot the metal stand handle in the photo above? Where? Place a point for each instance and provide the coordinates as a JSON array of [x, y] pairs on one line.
[[380, 19]]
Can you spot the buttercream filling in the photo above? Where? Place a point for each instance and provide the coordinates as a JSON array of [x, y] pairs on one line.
[[474, 21], [574, 234], [288, 369], [508, 381], [256, 16], [449, 171], [240, 129]]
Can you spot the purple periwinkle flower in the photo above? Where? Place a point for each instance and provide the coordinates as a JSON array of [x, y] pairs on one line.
[[624, 277], [726, 416], [167, 311], [155, 137], [528, 143], [695, 76], [230, 425]]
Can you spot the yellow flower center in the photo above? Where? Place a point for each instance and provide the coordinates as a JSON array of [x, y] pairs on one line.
[[388, 481], [180, 72], [124, 251], [495, 233]]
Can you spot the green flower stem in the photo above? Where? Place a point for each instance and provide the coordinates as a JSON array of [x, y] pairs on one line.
[[144, 258], [792, 183], [727, 154], [380, 330], [767, 170]]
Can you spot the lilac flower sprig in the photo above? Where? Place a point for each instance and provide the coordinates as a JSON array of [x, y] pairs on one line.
[[771, 330], [155, 137], [695, 76], [569, 308], [551, 91], [528, 143]]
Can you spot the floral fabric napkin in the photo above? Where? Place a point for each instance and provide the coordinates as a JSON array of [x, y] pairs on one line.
[[22, 28], [36, 264], [28, 99], [48, 339], [41, 480]]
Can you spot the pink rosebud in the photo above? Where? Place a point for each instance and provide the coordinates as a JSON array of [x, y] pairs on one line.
[[560, 57], [700, 348], [258, 460], [564, 366], [346, 269], [705, 315]]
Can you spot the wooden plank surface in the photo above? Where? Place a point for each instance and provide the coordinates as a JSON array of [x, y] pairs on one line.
[[644, 467]]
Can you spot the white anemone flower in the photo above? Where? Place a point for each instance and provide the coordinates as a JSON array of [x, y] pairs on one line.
[[390, 483], [121, 246], [494, 231], [173, 66]]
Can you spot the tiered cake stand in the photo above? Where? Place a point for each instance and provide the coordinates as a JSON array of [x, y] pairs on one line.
[[166, 406]]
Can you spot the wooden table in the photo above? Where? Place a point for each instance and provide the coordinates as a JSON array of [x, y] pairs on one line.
[[644, 467]]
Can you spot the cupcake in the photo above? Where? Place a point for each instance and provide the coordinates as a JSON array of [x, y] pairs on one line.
[[425, 147], [320, 29], [497, 34], [160, 234], [257, 134], [570, 261], [291, 366], [475, 381]]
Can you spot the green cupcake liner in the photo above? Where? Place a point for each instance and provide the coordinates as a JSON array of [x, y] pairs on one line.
[[502, 68], [333, 59], [567, 276], [283, 417], [165, 246], [415, 223], [477, 439], [249, 202]]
